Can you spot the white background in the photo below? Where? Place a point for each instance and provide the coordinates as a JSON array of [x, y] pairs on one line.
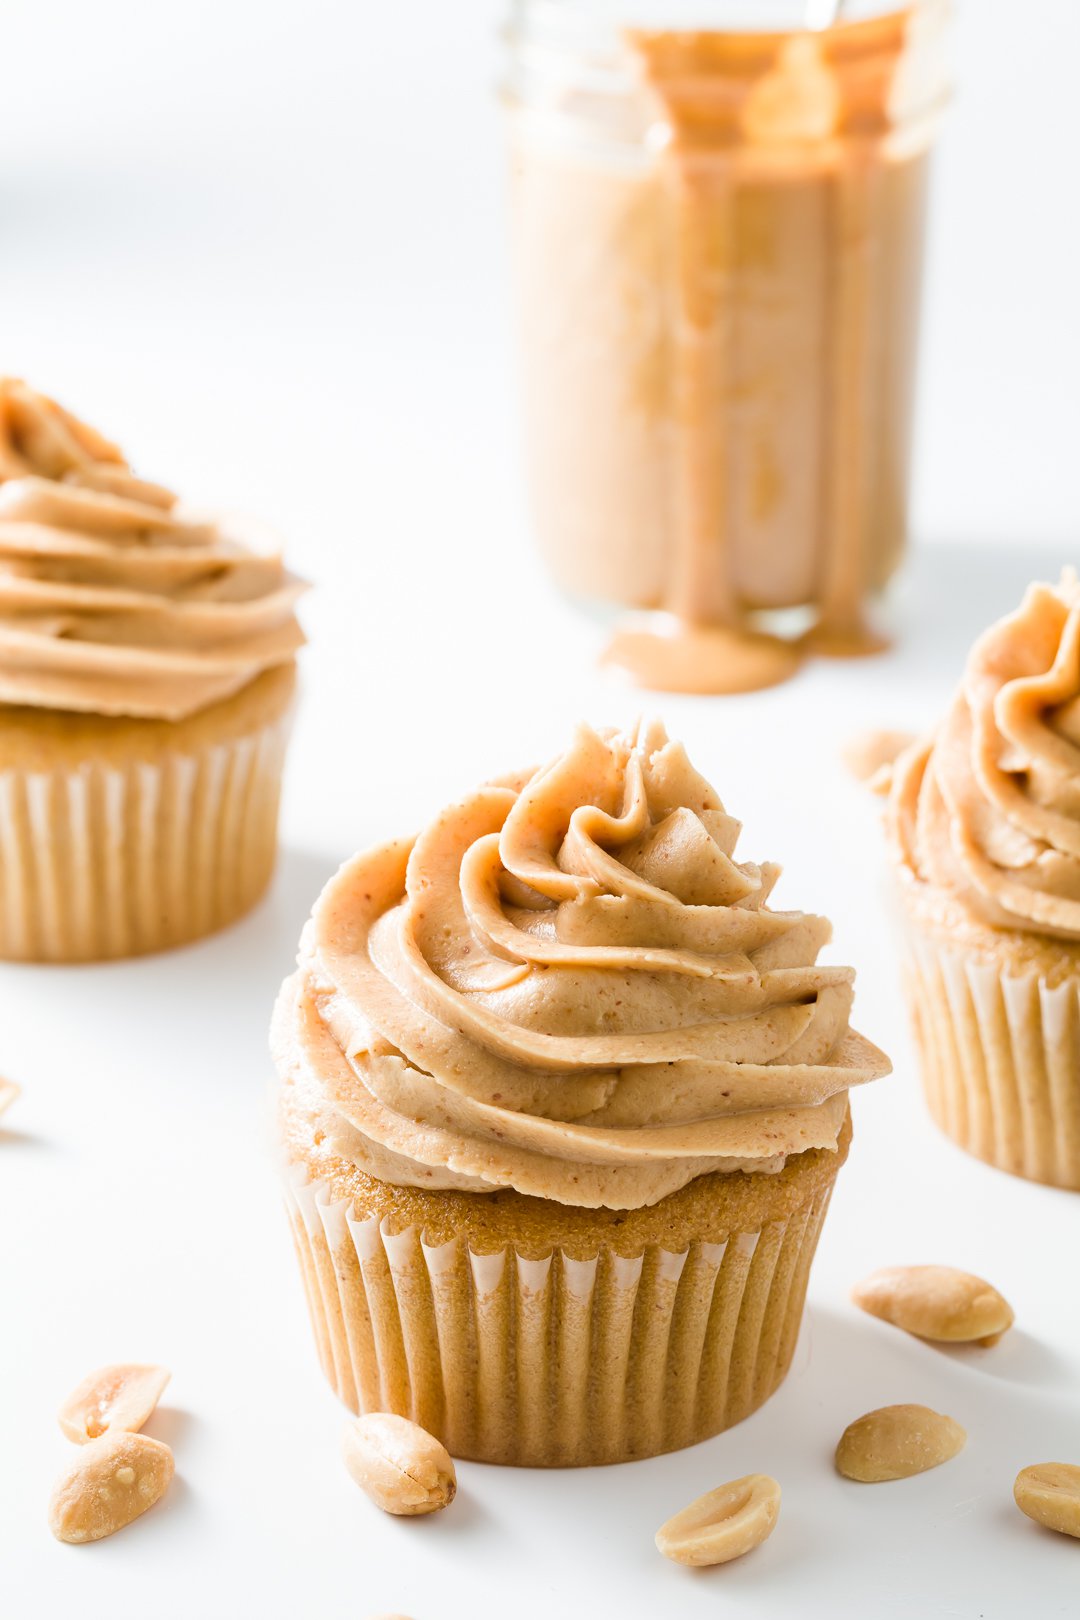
[[262, 245]]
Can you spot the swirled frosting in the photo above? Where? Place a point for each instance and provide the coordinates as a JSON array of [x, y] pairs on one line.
[[568, 985], [988, 809], [114, 598]]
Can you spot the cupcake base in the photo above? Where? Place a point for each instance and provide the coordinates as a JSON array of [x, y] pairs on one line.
[[997, 1026], [122, 836], [623, 1335]]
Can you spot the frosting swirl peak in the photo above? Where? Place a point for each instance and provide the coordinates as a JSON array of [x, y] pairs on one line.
[[568, 985], [988, 809], [114, 598]]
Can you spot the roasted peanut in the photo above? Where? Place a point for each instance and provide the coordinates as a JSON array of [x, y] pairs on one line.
[[9, 1090], [895, 1442], [117, 1397], [936, 1302], [1049, 1493], [723, 1524], [111, 1482], [398, 1464]]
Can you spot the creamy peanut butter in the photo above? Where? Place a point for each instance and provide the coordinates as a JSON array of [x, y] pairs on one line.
[[568, 985], [114, 598], [987, 811], [719, 279]]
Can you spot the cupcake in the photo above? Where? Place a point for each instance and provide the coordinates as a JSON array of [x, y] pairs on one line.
[[147, 668], [563, 1103], [984, 831]]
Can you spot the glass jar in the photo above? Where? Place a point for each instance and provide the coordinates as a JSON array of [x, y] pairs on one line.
[[718, 239]]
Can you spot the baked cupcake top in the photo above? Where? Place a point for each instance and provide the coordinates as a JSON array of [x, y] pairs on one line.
[[987, 810], [114, 598], [568, 985]]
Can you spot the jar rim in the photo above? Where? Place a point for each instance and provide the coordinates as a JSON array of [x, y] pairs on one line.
[[579, 21], [589, 42]]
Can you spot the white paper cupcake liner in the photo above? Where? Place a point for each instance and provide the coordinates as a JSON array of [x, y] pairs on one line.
[[1000, 1060], [557, 1361], [105, 861]]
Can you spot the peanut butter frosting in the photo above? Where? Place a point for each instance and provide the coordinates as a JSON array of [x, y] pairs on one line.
[[568, 985], [115, 599], [987, 811]]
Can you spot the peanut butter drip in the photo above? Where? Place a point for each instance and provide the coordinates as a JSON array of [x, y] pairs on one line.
[[670, 654], [794, 244], [114, 599], [568, 985], [988, 810]]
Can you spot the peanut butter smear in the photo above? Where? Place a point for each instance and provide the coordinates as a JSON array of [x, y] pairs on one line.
[[667, 654], [568, 985], [114, 598], [988, 809]]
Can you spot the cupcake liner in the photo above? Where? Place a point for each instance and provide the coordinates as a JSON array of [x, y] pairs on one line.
[[555, 1361], [1000, 1060], [105, 860]]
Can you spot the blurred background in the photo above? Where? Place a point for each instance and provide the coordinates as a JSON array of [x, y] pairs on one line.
[[277, 225], [263, 245]]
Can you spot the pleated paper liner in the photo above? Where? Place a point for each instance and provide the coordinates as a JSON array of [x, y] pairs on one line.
[[554, 1361], [999, 1053], [139, 850]]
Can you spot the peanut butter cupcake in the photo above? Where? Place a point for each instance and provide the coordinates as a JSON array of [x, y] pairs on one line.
[[563, 1103], [146, 682], [984, 829]]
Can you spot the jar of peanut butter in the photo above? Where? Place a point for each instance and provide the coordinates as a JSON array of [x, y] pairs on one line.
[[718, 238]]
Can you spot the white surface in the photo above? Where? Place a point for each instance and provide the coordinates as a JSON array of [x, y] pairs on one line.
[[261, 245]]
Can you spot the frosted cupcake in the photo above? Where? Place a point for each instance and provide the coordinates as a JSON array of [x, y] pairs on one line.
[[563, 1103], [984, 827], [146, 680]]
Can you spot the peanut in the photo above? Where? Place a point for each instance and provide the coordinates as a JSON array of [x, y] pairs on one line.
[[9, 1090], [116, 1397], [113, 1480], [895, 1442], [723, 1524], [401, 1467], [1049, 1493], [936, 1302]]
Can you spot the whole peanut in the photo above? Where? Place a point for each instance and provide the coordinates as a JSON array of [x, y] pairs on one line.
[[402, 1468], [936, 1302], [895, 1442], [112, 1481], [724, 1523]]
